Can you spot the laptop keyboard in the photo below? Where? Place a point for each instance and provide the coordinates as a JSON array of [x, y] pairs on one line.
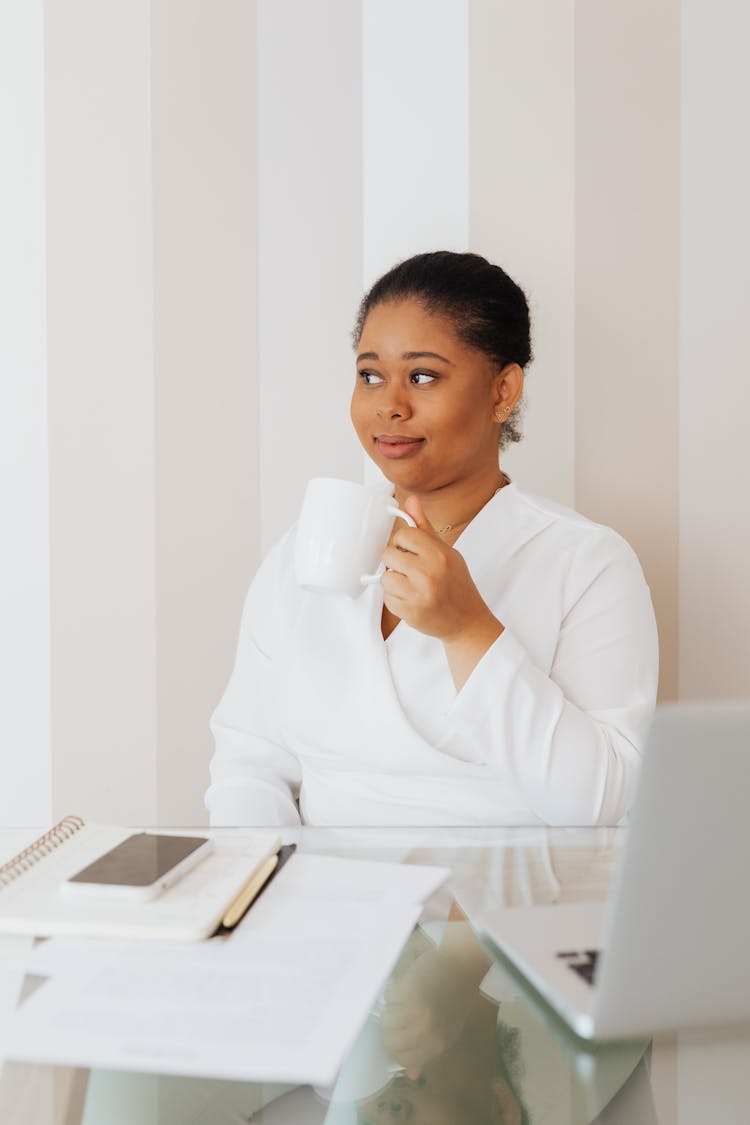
[[582, 962]]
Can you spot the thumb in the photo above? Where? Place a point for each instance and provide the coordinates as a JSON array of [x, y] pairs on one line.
[[413, 506]]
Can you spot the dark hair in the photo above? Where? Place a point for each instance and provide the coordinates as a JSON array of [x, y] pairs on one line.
[[488, 310]]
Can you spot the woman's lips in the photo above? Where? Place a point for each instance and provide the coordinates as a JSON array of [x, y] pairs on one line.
[[395, 448]]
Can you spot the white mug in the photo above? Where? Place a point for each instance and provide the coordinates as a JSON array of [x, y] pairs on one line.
[[342, 532]]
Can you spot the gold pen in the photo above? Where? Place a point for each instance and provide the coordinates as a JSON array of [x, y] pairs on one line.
[[252, 887]]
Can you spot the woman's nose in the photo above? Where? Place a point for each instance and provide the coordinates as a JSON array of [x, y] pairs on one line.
[[395, 406]]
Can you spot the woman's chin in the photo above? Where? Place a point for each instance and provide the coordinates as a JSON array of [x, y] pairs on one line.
[[403, 476]]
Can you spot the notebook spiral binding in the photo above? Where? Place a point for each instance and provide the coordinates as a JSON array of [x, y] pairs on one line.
[[46, 844]]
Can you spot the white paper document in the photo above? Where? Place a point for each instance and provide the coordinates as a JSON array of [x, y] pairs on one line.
[[280, 1000]]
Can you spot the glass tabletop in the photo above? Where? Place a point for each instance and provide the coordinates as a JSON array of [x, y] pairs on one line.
[[455, 1037]]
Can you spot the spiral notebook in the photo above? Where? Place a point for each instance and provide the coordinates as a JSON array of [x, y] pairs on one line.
[[32, 902]]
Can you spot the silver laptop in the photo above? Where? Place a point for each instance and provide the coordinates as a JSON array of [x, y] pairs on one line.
[[671, 947]]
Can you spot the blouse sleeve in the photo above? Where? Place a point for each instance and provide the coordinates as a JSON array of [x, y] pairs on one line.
[[254, 779], [571, 739]]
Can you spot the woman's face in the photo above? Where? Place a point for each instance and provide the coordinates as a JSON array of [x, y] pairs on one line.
[[424, 402]]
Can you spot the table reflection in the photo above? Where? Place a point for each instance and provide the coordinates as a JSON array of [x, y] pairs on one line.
[[455, 1041], [460, 1061], [454, 1037]]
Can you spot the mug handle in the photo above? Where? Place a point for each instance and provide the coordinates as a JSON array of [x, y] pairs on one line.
[[371, 579]]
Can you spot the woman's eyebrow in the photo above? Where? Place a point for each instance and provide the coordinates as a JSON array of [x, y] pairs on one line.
[[407, 355], [428, 355]]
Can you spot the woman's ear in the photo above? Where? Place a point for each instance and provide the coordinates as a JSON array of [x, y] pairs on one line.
[[507, 387]]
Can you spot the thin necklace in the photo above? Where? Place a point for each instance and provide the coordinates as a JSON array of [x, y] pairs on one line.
[[460, 523]]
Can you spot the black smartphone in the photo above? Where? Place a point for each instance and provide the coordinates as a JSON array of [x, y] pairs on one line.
[[141, 867]]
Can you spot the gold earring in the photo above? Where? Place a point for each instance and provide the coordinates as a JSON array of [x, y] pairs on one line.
[[501, 415]]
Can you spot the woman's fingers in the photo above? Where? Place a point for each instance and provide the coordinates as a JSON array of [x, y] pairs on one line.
[[404, 594], [402, 562], [413, 506], [414, 539], [428, 585]]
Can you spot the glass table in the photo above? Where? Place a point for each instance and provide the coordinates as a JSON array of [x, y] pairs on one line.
[[455, 1039]]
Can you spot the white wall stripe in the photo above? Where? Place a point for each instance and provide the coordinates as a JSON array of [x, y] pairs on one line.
[[415, 143], [415, 59], [24, 541]]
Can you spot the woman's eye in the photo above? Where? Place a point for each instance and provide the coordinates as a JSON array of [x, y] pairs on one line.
[[421, 378], [369, 378]]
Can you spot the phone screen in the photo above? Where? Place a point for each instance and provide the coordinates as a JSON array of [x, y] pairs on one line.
[[140, 860]]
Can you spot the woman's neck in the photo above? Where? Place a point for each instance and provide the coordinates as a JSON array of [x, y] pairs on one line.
[[454, 506]]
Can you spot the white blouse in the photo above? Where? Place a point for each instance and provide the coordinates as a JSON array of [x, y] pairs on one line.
[[323, 720]]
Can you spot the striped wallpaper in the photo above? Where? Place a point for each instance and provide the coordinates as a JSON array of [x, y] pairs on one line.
[[200, 192]]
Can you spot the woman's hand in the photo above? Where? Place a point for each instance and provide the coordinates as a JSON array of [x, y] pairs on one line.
[[428, 585], [426, 1009]]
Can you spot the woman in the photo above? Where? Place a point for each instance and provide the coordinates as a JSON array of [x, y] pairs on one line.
[[505, 669]]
